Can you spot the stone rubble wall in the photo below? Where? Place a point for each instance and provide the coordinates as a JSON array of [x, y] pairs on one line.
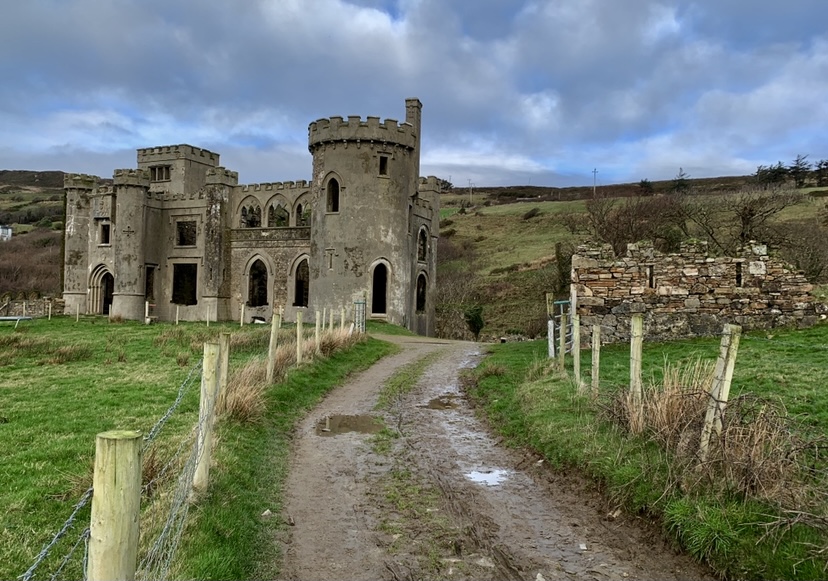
[[687, 294], [33, 308]]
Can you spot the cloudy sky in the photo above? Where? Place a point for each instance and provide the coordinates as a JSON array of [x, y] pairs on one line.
[[534, 92]]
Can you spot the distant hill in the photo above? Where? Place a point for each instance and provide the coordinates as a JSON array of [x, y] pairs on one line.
[[26, 178], [723, 184]]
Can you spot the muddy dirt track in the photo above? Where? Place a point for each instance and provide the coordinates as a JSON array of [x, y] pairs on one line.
[[444, 500]]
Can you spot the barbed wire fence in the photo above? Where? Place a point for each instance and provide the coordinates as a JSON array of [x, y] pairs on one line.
[[162, 518]]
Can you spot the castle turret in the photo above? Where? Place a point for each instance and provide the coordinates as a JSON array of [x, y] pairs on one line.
[[130, 193], [78, 189], [365, 174]]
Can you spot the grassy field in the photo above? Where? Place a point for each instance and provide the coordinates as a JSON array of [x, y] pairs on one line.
[[63, 382], [743, 533]]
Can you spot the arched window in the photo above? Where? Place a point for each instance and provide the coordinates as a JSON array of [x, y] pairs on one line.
[[277, 216], [333, 195], [303, 215], [421, 293], [257, 285], [379, 288], [422, 245], [301, 285], [243, 221]]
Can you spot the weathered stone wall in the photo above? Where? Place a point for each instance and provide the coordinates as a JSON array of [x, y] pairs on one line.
[[688, 293], [33, 308]]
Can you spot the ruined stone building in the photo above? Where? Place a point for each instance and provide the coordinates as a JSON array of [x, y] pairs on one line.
[[688, 293], [182, 234]]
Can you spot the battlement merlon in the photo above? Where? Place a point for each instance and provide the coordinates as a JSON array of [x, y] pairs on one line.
[[169, 153], [222, 176], [430, 184], [80, 181], [276, 186], [355, 130], [131, 177]]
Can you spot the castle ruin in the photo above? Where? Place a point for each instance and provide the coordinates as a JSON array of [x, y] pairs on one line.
[[181, 233]]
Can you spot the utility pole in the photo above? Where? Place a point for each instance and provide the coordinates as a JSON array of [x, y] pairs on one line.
[[594, 180], [470, 193]]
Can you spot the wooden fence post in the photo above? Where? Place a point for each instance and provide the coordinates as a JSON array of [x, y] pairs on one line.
[[720, 389], [636, 348], [316, 331], [596, 359], [209, 385], [562, 342], [576, 351], [224, 363], [298, 337], [275, 323], [281, 315], [116, 505]]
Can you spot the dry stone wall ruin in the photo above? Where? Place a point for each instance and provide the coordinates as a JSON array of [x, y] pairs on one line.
[[689, 293]]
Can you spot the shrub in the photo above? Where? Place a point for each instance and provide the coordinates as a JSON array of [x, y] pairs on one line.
[[531, 213]]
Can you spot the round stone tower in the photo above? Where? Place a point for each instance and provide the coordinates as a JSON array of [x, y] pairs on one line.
[[365, 179]]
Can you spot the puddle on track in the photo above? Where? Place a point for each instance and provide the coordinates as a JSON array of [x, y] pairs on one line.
[[335, 425], [488, 477], [443, 402]]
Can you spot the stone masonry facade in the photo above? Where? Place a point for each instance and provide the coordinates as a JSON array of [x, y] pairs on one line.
[[179, 232], [686, 294]]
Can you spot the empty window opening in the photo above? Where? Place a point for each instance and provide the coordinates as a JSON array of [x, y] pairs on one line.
[[302, 285], [422, 245], [330, 256], [278, 217], [421, 293], [650, 276], [303, 215], [160, 173], [257, 287], [333, 195], [739, 274], [185, 233], [149, 284], [105, 230], [251, 217], [185, 284], [383, 168], [107, 290], [379, 289]]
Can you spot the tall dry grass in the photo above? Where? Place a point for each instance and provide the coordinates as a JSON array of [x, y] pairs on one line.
[[244, 399], [758, 452]]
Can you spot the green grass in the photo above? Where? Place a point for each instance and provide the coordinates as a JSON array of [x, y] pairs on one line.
[[383, 328], [63, 382], [404, 380], [718, 526]]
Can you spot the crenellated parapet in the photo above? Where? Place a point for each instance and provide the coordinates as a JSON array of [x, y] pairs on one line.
[[131, 177], [276, 186], [222, 176], [80, 181], [371, 132], [167, 153]]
